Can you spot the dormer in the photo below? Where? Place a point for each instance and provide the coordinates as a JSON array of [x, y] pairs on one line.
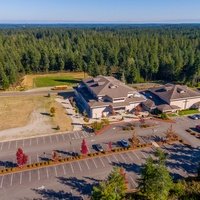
[[180, 90], [112, 86]]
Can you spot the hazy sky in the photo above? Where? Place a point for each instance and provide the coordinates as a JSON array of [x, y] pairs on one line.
[[99, 10]]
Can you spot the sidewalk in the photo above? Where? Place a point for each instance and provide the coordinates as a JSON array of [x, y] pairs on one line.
[[77, 121]]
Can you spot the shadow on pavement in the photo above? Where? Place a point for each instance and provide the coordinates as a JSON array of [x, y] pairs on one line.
[[7, 164], [128, 167], [49, 194], [80, 185]]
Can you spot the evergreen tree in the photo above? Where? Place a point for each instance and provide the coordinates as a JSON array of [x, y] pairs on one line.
[[156, 181], [113, 188]]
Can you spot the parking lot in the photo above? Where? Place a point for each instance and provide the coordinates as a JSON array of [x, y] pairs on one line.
[[44, 140], [182, 162]]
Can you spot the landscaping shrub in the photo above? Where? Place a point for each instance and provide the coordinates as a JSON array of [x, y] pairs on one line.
[[164, 116], [86, 119], [96, 126], [105, 121]]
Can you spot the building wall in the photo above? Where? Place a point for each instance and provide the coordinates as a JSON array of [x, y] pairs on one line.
[[185, 103], [132, 106], [97, 112]]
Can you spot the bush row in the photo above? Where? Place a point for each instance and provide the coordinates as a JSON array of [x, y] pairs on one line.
[[62, 160]]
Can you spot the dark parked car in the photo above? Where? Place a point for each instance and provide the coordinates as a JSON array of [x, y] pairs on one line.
[[97, 147], [123, 143], [198, 127], [195, 117]]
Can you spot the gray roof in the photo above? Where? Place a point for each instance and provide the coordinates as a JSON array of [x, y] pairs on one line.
[[108, 86], [127, 102], [171, 92], [149, 103]]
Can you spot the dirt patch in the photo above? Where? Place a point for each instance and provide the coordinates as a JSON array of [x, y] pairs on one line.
[[26, 116], [61, 119], [16, 111]]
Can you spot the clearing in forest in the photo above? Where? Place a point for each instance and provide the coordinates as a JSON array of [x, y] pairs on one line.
[[53, 79]]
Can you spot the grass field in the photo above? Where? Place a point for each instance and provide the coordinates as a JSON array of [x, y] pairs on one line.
[[54, 79]]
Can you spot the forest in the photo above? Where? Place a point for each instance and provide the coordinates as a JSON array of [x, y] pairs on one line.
[[132, 53]]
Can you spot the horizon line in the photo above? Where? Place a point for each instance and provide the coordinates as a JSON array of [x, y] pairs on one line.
[[185, 21]]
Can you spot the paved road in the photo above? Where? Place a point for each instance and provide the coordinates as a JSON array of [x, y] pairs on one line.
[[34, 92], [72, 180]]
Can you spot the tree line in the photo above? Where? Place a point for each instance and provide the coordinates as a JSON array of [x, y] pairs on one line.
[[133, 53]]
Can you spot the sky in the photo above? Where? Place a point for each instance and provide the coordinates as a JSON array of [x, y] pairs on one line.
[[99, 11]]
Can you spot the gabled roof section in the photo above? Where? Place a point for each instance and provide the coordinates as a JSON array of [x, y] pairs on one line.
[[171, 92], [108, 86]]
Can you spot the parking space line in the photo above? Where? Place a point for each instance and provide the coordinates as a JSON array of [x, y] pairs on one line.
[[57, 138], [20, 178], [43, 139], [30, 142], [94, 163], [29, 159], [50, 139], [102, 162], [83, 132], [23, 143], [2, 143], [115, 158], [47, 172], [75, 135], [87, 164], [136, 155], [37, 140], [72, 168], [38, 174], [134, 183], [29, 176], [143, 154], [129, 157], [108, 159], [80, 166], [9, 144], [1, 182], [16, 143], [69, 137], [64, 169], [55, 170], [63, 137], [78, 135], [11, 179], [121, 155]]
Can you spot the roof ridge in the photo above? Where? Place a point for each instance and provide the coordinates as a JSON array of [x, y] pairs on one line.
[[173, 91]]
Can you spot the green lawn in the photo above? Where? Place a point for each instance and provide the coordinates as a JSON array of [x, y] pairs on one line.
[[55, 80], [188, 112]]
